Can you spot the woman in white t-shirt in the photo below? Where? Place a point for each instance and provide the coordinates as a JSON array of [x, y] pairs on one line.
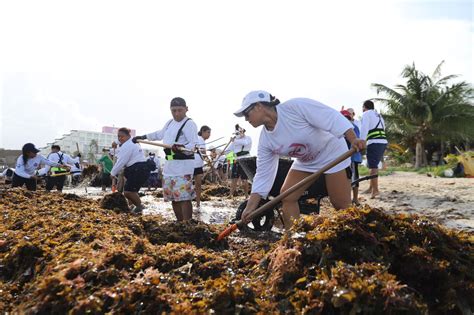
[[203, 134], [306, 130]]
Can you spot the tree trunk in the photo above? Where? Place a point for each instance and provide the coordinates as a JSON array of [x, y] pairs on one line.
[[419, 153], [442, 148]]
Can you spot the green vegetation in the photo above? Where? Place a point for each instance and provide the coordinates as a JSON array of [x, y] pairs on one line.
[[428, 110]]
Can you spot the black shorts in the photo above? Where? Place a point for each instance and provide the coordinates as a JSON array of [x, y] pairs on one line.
[[18, 181], [105, 179], [237, 171], [355, 172], [136, 176], [57, 181], [375, 154], [198, 170]]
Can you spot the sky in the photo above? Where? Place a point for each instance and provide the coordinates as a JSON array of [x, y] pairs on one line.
[[83, 65]]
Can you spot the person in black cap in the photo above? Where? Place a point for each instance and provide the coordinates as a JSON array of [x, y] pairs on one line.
[[180, 132], [27, 164]]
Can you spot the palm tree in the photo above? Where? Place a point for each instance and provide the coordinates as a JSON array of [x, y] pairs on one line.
[[428, 109], [93, 150]]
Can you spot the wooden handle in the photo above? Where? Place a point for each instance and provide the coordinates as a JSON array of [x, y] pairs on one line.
[[296, 186], [217, 159], [167, 146]]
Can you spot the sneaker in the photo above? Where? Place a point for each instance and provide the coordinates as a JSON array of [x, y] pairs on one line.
[[137, 210]]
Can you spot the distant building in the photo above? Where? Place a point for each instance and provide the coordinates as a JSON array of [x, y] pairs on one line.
[[90, 143], [8, 157], [114, 130], [86, 142]]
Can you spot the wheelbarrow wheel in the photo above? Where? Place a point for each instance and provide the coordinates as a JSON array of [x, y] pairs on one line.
[[262, 223]]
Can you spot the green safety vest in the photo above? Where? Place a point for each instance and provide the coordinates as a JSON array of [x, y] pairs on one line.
[[230, 157]]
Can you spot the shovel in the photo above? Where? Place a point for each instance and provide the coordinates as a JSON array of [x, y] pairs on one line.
[[278, 198]]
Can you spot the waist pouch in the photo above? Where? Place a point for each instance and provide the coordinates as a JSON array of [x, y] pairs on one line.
[[242, 153], [170, 155]]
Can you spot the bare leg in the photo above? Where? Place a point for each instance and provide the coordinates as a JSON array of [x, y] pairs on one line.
[[339, 189], [233, 186], [355, 196], [245, 187], [133, 197], [290, 207], [177, 210], [197, 188], [183, 210], [374, 183]]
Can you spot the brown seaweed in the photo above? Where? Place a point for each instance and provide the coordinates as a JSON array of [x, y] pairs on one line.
[[61, 254]]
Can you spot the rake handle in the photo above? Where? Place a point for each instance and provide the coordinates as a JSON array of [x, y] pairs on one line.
[[281, 196], [167, 146]]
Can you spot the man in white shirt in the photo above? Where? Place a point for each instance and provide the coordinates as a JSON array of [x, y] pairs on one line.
[[241, 147], [373, 130], [136, 171], [56, 178], [179, 132]]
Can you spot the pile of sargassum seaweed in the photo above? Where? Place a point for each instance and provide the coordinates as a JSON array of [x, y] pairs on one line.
[[62, 253]]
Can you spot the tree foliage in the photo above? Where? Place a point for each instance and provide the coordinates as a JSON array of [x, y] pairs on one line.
[[427, 109]]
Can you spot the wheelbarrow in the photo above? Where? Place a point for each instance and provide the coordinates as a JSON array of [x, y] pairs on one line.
[[309, 202]]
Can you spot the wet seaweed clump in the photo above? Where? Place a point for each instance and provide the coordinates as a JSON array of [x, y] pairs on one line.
[[216, 191], [194, 232], [90, 171], [66, 255], [115, 201], [363, 260]]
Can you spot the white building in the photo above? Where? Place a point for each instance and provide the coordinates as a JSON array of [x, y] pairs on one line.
[[86, 142]]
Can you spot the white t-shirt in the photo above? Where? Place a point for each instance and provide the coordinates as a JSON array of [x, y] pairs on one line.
[[56, 156], [241, 144], [130, 153], [370, 119], [307, 130], [76, 171], [201, 146], [27, 170], [188, 138]]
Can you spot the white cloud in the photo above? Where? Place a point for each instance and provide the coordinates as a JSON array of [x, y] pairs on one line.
[[108, 62]]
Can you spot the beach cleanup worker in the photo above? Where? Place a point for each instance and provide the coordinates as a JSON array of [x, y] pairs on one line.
[[240, 148], [27, 164], [63, 159], [76, 170], [154, 179], [178, 170], [137, 170], [373, 130], [203, 134], [106, 164], [7, 174], [356, 158], [306, 130]]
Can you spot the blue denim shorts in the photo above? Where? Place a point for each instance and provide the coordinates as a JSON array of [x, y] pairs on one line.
[[375, 153]]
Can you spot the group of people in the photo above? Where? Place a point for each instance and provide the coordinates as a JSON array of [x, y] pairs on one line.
[[311, 133]]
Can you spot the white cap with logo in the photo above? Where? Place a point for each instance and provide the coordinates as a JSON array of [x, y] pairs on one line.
[[252, 98]]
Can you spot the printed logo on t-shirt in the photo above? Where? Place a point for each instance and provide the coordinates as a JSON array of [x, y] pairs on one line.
[[301, 152]]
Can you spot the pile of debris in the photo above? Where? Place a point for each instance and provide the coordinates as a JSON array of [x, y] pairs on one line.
[[61, 253]]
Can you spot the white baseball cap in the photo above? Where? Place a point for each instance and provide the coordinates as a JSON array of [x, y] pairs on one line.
[[252, 98]]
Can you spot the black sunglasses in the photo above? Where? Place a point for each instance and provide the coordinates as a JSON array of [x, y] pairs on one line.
[[247, 111]]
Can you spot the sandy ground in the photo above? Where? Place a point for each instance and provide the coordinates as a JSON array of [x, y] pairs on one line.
[[450, 201]]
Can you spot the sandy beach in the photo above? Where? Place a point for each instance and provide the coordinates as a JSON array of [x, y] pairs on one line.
[[449, 201]]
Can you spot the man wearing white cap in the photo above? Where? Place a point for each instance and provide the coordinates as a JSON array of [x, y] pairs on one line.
[[306, 130]]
